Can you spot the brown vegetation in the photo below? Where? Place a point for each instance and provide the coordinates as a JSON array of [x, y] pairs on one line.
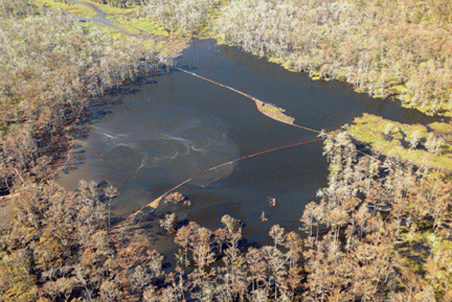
[[177, 197], [57, 246], [51, 68], [380, 231]]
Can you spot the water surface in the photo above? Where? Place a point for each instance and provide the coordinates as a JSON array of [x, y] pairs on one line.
[[176, 125]]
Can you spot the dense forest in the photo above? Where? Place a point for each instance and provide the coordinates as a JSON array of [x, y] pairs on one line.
[[380, 231], [56, 247], [385, 48]]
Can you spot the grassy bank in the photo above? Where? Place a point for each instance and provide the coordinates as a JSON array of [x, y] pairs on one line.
[[129, 19], [71, 8], [429, 145]]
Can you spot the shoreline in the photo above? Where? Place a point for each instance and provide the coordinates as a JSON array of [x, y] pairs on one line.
[[393, 139]]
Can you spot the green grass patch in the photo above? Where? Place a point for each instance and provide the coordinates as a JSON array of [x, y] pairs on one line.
[[391, 139], [160, 45], [288, 66], [398, 89], [71, 8], [269, 109], [362, 89], [121, 22], [442, 128], [137, 25], [123, 18], [111, 10], [274, 112], [274, 60], [444, 109], [315, 76], [148, 26], [111, 31]]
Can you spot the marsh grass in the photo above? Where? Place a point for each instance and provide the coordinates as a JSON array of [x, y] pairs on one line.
[[131, 20], [111, 10], [274, 112], [71, 8], [136, 25], [128, 19], [394, 142]]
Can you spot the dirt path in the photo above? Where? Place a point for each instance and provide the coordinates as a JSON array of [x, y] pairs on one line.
[[100, 18]]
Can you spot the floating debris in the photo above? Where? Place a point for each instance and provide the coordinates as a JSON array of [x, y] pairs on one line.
[[271, 201], [263, 218]]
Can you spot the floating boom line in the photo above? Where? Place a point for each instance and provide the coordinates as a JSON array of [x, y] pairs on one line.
[[257, 101], [260, 103], [155, 202]]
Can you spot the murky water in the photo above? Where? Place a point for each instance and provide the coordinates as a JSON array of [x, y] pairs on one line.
[[176, 125]]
